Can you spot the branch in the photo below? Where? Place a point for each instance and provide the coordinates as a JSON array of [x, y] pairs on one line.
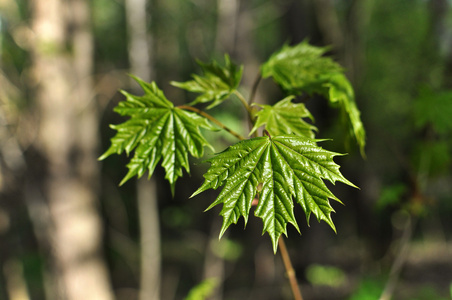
[[289, 269], [206, 115], [254, 88], [287, 264], [242, 99]]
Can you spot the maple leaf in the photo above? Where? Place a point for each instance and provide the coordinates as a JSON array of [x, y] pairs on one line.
[[281, 170], [285, 117], [340, 92], [433, 108], [302, 68], [157, 131], [216, 84]]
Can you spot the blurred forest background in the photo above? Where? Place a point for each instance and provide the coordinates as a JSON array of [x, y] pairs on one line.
[[67, 231]]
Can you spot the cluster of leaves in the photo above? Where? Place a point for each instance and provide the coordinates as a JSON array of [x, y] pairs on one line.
[[273, 171], [304, 69]]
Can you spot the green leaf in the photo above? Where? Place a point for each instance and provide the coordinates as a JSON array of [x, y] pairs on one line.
[[285, 117], [156, 131], [203, 290], [303, 69], [216, 84], [432, 157], [280, 170], [300, 68], [340, 93], [434, 108], [322, 275], [390, 195]]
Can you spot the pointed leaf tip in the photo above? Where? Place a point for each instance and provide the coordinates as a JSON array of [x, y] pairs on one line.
[[285, 170], [285, 117], [157, 131], [303, 68], [216, 84]]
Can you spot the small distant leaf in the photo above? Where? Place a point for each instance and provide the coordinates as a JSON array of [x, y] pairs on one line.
[[285, 117], [156, 131], [278, 169], [322, 275], [216, 84], [303, 69], [432, 157], [390, 195], [203, 290], [434, 108]]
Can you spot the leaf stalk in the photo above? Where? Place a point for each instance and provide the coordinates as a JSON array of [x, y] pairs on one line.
[[214, 120], [254, 88]]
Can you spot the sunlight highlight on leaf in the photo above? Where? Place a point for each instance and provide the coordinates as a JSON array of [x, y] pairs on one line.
[[279, 170], [285, 117], [157, 131], [303, 69]]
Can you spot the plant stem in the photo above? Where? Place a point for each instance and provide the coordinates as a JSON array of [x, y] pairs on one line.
[[242, 99], [206, 115], [254, 88], [289, 269], [282, 245], [247, 106]]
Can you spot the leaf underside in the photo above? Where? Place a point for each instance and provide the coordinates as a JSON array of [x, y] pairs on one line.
[[280, 171], [156, 131], [303, 69], [216, 84]]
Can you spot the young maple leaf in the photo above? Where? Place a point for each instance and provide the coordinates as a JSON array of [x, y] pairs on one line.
[[216, 84], [278, 169], [299, 68], [157, 131], [303, 68], [340, 93], [285, 117]]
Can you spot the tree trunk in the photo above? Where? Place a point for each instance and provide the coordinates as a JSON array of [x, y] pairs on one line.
[[140, 60], [67, 141]]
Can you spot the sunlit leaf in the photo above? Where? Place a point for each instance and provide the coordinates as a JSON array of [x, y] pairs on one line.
[[303, 69], [216, 84], [157, 131], [285, 117], [300, 68], [280, 170], [203, 290]]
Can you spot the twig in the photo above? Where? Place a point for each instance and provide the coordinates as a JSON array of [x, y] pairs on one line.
[[242, 99], [282, 245], [289, 269], [246, 105], [254, 88], [399, 260], [206, 115], [287, 263]]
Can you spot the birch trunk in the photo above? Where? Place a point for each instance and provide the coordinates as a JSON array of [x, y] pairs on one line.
[[140, 59], [67, 141]]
